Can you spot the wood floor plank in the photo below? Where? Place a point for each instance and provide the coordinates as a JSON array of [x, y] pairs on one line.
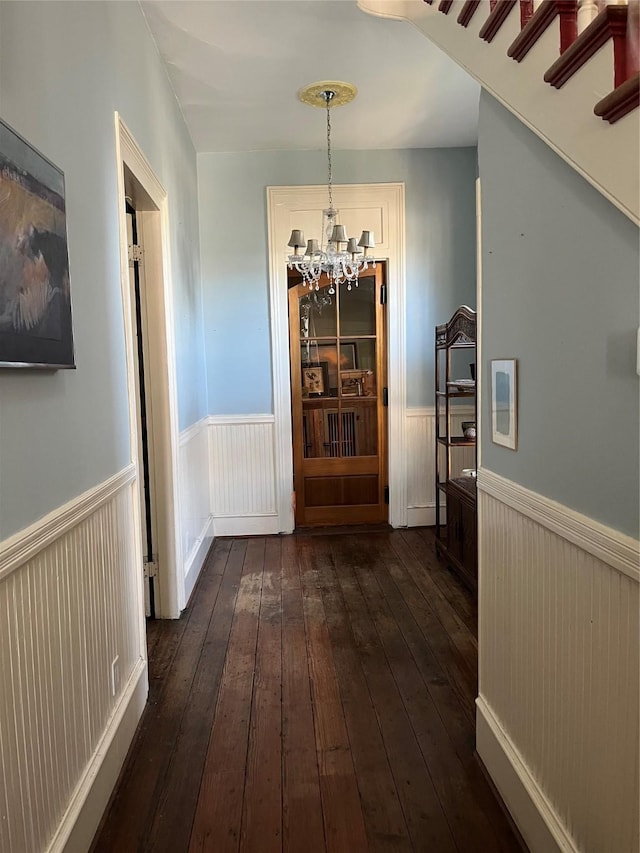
[[262, 810], [463, 645], [432, 653], [449, 678], [133, 806], [469, 825], [384, 820], [422, 543], [316, 695], [174, 816], [301, 803], [342, 812], [218, 816], [423, 812]]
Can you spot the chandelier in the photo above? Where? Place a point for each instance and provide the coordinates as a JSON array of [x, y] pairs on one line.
[[339, 257]]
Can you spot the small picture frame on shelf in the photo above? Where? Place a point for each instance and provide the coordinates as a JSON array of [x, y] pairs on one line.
[[315, 380], [504, 402]]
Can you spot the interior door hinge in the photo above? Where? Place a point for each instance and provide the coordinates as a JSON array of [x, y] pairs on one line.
[[386, 494], [135, 253], [383, 294], [385, 396], [150, 569]]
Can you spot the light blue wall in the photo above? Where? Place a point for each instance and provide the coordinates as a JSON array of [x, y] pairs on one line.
[[560, 294], [64, 69], [440, 229]]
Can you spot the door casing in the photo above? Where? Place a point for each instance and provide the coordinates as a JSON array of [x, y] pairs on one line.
[[378, 207], [152, 209]]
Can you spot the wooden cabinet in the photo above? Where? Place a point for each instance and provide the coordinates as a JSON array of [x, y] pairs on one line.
[[455, 405], [461, 545]]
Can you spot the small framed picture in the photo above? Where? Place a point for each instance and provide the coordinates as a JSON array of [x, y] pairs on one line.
[[315, 380], [504, 402]]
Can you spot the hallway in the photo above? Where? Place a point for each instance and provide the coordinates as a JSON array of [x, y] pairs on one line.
[[317, 694]]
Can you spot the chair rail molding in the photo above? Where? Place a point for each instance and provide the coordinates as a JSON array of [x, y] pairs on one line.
[[72, 603], [359, 205], [558, 669]]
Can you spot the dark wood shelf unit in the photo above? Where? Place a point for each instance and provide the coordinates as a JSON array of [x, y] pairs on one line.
[[456, 538]]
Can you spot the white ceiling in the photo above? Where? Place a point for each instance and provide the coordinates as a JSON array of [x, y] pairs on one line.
[[237, 65]]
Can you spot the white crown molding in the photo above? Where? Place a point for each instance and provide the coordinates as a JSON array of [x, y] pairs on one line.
[[614, 548], [24, 545]]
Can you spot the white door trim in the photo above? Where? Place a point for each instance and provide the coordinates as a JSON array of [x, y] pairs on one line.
[[354, 200], [170, 597]]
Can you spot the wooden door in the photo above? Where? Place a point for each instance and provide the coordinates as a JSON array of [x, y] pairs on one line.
[[338, 376]]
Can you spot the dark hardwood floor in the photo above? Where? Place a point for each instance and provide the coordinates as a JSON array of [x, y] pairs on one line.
[[316, 695]]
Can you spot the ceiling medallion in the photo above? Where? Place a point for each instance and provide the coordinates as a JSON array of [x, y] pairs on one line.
[[340, 258]]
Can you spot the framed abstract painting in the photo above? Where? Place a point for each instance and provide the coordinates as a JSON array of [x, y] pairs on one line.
[[35, 299]]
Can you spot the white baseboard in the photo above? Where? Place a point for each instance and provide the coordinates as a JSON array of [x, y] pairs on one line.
[[246, 525], [421, 516], [196, 558], [534, 815], [425, 516], [91, 797]]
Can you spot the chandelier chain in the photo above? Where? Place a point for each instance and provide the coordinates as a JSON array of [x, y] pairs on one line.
[[329, 152]]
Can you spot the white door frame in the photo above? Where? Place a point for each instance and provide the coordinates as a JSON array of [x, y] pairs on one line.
[[170, 592], [377, 207]]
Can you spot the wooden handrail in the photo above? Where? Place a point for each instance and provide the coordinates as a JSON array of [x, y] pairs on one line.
[[610, 23], [496, 19], [621, 101]]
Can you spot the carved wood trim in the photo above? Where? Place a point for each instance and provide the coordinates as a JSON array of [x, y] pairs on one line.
[[496, 19], [621, 101], [610, 23], [444, 6], [468, 11]]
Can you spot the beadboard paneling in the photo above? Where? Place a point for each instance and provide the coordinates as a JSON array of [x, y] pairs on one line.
[[559, 664], [421, 485], [243, 487], [70, 602], [195, 500]]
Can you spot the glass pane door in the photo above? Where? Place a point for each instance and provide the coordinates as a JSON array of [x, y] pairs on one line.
[[337, 361]]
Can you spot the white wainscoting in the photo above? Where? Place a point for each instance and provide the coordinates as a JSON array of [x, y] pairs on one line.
[[243, 475], [70, 603], [421, 459], [558, 712], [195, 500]]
